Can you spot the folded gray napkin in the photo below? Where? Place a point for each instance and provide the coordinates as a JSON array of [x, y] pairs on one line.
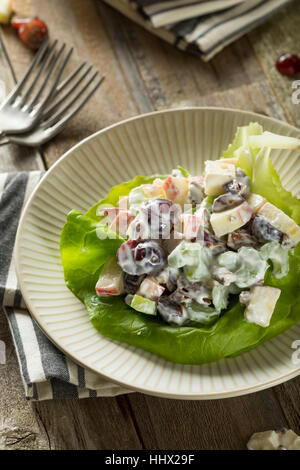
[[203, 27], [47, 373]]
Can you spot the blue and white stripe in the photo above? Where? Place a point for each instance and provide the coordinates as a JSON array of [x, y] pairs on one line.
[[46, 372], [203, 27]]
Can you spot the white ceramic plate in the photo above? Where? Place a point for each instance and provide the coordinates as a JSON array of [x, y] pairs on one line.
[[152, 143]]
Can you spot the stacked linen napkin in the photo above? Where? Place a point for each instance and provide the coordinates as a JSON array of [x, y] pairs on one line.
[[47, 373], [203, 27]]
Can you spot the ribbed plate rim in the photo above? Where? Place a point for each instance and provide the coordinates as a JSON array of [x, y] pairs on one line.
[[239, 390]]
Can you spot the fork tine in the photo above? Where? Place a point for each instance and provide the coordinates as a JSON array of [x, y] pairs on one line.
[[59, 113], [36, 139], [69, 78], [46, 79], [57, 78], [48, 111], [45, 61], [51, 69], [60, 124], [37, 57]]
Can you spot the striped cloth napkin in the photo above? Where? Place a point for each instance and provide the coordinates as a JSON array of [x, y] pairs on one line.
[[46, 372], [203, 27]]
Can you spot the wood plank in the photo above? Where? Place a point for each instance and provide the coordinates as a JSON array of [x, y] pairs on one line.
[[143, 74], [88, 424], [14, 157], [173, 78], [167, 77], [269, 41], [209, 424], [122, 94], [287, 395], [59, 424], [19, 427]]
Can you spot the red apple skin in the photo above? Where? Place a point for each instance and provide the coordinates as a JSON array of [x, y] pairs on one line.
[[106, 291]]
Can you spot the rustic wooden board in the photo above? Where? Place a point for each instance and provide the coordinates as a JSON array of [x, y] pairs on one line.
[[19, 426], [145, 74], [61, 424], [214, 424], [271, 40]]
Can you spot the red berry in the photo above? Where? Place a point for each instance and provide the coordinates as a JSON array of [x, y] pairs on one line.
[[288, 64], [32, 32]]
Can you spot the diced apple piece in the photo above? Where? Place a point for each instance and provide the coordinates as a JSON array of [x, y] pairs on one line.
[[121, 222], [267, 440], [150, 289], [281, 221], [289, 439], [230, 220], [116, 218], [217, 174], [196, 189], [274, 440], [139, 229], [158, 181], [6, 9], [197, 179], [191, 224], [110, 281], [223, 275], [141, 304], [109, 212], [153, 190], [255, 201], [162, 277], [123, 203], [176, 189], [204, 215], [261, 305], [233, 161]]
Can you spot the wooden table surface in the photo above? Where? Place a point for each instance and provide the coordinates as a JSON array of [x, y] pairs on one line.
[[144, 74]]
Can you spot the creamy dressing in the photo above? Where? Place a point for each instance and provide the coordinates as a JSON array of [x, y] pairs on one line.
[[195, 241]]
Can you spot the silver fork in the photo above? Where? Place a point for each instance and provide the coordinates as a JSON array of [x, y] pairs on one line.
[[50, 122], [20, 112]]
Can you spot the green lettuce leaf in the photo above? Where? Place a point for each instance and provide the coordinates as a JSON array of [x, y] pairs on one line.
[[278, 255], [266, 182], [185, 173], [86, 244], [241, 138], [241, 149], [231, 335], [121, 190]]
